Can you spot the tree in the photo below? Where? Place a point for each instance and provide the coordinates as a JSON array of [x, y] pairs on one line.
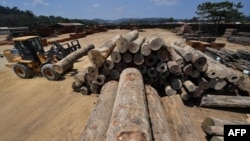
[[220, 11]]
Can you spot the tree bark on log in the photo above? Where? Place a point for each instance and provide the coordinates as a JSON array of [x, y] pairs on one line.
[[69, 60], [189, 86], [176, 57], [186, 54], [99, 119], [217, 84], [159, 125], [225, 101], [129, 120], [97, 57]]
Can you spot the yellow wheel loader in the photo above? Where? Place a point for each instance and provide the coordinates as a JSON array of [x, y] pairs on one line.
[[28, 57]]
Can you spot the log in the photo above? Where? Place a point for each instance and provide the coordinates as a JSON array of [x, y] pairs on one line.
[[190, 86], [114, 74], [156, 43], [179, 120], [173, 68], [108, 64], [92, 72], [202, 83], [116, 56], [176, 57], [100, 79], [127, 57], [161, 67], [186, 54], [225, 101], [169, 90], [145, 49], [79, 80], [129, 120], [215, 130], [94, 87], [138, 59], [217, 84], [98, 56], [159, 124], [195, 73], [64, 64], [135, 46], [163, 54], [198, 60], [163, 75], [99, 119], [175, 83], [188, 69], [84, 90], [152, 72], [151, 60], [184, 95], [122, 43]]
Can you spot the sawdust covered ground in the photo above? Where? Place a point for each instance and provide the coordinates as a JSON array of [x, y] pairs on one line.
[[38, 109]]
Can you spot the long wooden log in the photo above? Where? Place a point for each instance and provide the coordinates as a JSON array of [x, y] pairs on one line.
[[170, 91], [202, 83], [159, 125], [138, 59], [176, 57], [186, 54], [122, 43], [100, 79], [184, 94], [155, 43], [64, 64], [175, 83], [143, 69], [116, 56], [174, 68], [98, 56], [114, 74], [135, 46], [179, 120], [108, 64], [129, 120], [79, 80], [217, 84], [161, 67], [92, 72], [152, 72], [99, 119], [120, 66], [225, 101], [151, 60], [145, 49], [188, 69], [163, 54], [127, 57], [190, 86], [195, 73]]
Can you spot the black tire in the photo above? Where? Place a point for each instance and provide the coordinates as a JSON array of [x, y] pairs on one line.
[[49, 73], [22, 71]]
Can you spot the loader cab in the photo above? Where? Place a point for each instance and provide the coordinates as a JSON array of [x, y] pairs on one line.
[[28, 46]]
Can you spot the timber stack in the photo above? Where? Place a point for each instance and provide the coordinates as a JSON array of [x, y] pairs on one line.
[[173, 67]]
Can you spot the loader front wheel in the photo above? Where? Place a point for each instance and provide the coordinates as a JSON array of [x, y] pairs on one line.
[[49, 73], [22, 71]]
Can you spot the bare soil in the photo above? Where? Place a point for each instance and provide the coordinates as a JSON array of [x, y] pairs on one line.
[[38, 110]]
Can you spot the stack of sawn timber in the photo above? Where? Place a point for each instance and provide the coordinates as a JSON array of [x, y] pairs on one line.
[[175, 68]]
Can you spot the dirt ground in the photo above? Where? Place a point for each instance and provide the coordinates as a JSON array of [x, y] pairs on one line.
[[39, 110]]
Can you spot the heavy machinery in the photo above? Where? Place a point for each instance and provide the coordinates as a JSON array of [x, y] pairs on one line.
[[29, 58]]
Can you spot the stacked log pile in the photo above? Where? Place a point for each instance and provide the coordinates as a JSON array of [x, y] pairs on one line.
[[175, 68], [215, 127], [242, 38], [127, 110], [239, 60], [229, 32]]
